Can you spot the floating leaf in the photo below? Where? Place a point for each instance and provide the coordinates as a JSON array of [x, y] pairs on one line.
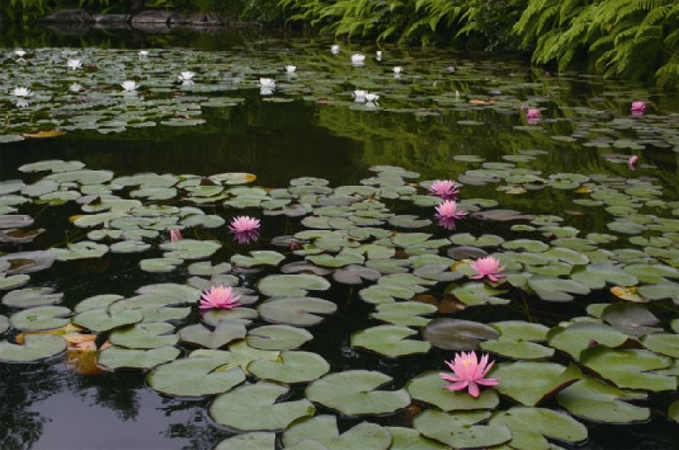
[[593, 400], [389, 340], [430, 388], [353, 392], [145, 336], [257, 440], [578, 336], [117, 358], [258, 258], [597, 275], [632, 319], [404, 313], [409, 439], [475, 293], [529, 383], [291, 285], [40, 318], [31, 297], [225, 331], [459, 430], [556, 289], [293, 367], [278, 337], [455, 334], [663, 343], [34, 347], [301, 311], [255, 407], [323, 430], [101, 319], [195, 376]]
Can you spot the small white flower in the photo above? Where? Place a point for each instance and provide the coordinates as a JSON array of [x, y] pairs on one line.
[[357, 59], [267, 83], [75, 87], [73, 64], [334, 49], [290, 68], [371, 97], [20, 53], [129, 86], [398, 70], [143, 53], [187, 75], [359, 95], [22, 92], [378, 55]]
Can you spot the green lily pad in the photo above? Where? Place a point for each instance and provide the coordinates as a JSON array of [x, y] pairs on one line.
[[599, 402], [531, 427], [302, 311], [291, 285], [673, 412], [145, 335], [630, 368], [652, 273], [255, 407], [114, 358], [31, 297], [556, 289], [190, 249], [102, 319], [292, 367], [4, 323], [455, 334], [355, 274], [475, 293], [13, 282], [278, 337], [239, 354], [429, 388], [80, 250], [195, 376], [41, 318], [530, 383], [389, 340], [521, 331], [323, 430], [459, 430], [258, 258], [632, 319], [160, 265], [34, 348], [517, 349], [354, 392], [409, 439], [404, 313], [578, 336], [486, 240], [597, 275], [663, 343], [224, 332], [257, 440]]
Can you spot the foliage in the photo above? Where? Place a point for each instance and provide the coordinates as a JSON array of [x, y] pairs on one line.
[[628, 39]]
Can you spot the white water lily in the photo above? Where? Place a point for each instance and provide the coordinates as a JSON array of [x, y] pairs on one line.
[[334, 49], [186, 75], [21, 103], [378, 55], [73, 64], [359, 95], [371, 97], [143, 53], [267, 83], [22, 92], [290, 68], [129, 85], [358, 59], [398, 70], [20, 53], [75, 87]]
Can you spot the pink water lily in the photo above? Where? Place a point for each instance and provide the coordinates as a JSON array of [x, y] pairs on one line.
[[447, 209], [245, 229], [445, 189], [219, 297], [175, 235], [487, 267], [638, 108], [469, 373], [632, 162]]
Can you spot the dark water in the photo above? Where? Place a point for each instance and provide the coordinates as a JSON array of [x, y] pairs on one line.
[[49, 406]]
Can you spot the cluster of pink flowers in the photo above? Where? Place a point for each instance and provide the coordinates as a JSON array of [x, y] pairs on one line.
[[469, 373], [638, 108]]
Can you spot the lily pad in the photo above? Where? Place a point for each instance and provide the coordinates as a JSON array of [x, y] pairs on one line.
[[530, 383], [292, 367], [278, 337], [258, 258], [389, 340], [34, 348], [354, 392], [301, 311], [255, 407], [114, 357], [323, 430], [459, 430], [31, 297], [195, 376], [599, 402], [456, 334], [404, 313], [41, 318], [145, 336], [556, 289], [291, 285], [224, 332], [429, 388], [631, 318], [257, 440], [102, 319]]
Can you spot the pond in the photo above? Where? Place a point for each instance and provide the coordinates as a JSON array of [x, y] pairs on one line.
[[357, 279]]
